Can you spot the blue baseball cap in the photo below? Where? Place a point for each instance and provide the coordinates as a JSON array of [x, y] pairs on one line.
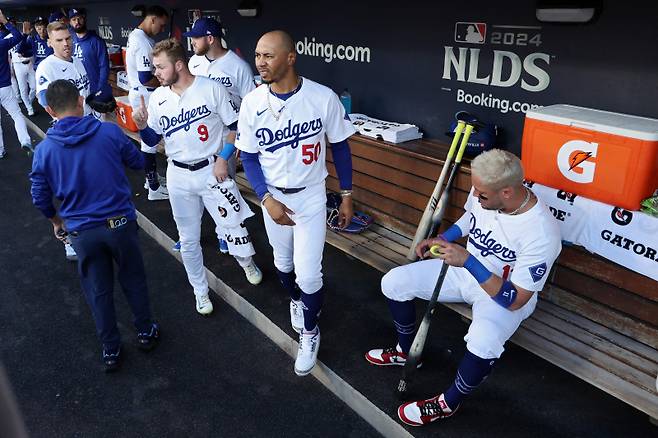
[[55, 16], [205, 27], [75, 12]]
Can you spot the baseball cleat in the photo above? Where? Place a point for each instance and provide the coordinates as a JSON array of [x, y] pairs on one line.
[[203, 304], [422, 412], [253, 274], [388, 356], [28, 149], [161, 180], [148, 340], [223, 246], [70, 253], [296, 315], [307, 353], [158, 195], [30, 112], [111, 359]]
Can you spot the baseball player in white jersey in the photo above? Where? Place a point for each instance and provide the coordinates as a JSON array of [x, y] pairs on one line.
[[191, 114], [142, 82], [283, 132], [513, 241], [61, 65], [24, 73]]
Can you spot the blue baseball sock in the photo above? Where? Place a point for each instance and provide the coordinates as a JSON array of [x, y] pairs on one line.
[[312, 308], [472, 371], [287, 280], [404, 317], [150, 168]]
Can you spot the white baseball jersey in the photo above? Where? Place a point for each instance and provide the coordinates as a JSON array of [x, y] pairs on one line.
[[16, 57], [230, 70], [293, 148], [138, 57], [53, 68], [520, 248], [194, 124]]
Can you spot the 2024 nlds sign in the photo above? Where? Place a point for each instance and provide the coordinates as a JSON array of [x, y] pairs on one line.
[[464, 62]]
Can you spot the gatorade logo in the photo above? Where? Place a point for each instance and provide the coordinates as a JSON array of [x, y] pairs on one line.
[[575, 161]]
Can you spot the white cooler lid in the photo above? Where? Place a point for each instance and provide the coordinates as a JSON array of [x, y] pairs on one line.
[[641, 128]]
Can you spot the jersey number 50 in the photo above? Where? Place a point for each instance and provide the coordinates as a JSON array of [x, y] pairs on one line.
[[310, 153]]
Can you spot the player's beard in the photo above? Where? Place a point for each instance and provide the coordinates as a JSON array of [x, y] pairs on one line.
[[173, 80], [201, 50], [81, 29]]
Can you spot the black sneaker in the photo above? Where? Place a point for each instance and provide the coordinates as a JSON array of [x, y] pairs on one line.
[[148, 340], [111, 359]]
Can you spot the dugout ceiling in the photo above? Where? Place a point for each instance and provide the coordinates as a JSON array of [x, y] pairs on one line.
[[422, 63]]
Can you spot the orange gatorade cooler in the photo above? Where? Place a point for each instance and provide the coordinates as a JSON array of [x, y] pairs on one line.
[[609, 157], [124, 114]]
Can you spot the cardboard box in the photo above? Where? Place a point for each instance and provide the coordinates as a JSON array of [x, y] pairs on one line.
[[605, 156], [124, 114]]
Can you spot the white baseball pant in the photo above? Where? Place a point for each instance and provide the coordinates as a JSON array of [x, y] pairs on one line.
[[492, 324], [300, 246], [10, 104], [25, 76], [188, 193]]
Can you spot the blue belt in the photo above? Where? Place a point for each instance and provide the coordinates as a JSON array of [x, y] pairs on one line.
[[192, 167], [289, 191], [147, 89]]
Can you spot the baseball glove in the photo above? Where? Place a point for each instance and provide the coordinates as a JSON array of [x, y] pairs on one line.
[[360, 221], [101, 106]]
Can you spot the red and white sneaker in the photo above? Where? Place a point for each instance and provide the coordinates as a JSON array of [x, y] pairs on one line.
[[388, 356], [422, 412]]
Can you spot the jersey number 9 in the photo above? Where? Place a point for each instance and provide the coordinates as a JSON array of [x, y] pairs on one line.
[[203, 132]]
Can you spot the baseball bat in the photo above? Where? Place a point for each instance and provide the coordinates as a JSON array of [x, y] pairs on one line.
[[424, 223]]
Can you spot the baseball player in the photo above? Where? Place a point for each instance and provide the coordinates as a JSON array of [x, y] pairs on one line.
[[191, 114], [513, 240], [14, 84], [92, 51], [62, 65], [23, 66], [36, 44], [139, 71], [7, 97], [214, 61], [283, 132]]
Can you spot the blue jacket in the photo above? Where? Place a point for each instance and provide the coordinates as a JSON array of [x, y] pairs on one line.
[[5, 45], [35, 46], [81, 162], [92, 51]]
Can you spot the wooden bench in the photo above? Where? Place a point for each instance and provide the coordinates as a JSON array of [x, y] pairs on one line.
[[594, 319]]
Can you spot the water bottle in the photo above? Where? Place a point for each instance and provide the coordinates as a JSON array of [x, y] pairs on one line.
[[346, 100]]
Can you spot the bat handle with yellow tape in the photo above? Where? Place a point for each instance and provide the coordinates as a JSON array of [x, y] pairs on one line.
[[435, 251]]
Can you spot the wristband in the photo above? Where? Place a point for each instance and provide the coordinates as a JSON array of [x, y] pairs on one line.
[[506, 295], [266, 196], [477, 269], [451, 234], [227, 151]]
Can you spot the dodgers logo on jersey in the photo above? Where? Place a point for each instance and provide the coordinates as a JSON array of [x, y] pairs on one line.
[[537, 272], [183, 120], [224, 80], [487, 244], [81, 83], [77, 51], [42, 80], [290, 135], [41, 50]]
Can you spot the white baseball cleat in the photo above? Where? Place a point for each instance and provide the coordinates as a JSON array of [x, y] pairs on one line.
[[422, 412], [70, 253], [30, 112], [203, 304], [158, 195], [161, 180], [307, 353], [296, 315], [253, 274]]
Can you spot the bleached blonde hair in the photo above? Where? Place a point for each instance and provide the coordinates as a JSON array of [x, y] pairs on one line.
[[497, 169]]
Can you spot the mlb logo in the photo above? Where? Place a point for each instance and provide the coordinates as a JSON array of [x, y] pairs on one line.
[[470, 32]]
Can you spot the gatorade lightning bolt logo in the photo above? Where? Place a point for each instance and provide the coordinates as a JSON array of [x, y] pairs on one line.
[[574, 160]]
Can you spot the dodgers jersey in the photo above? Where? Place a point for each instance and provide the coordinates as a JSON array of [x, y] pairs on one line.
[[53, 68], [230, 70], [193, 124], [292, 150], [519, 248], [138, 57]]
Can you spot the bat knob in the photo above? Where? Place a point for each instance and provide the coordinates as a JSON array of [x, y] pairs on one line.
[[435, 251]]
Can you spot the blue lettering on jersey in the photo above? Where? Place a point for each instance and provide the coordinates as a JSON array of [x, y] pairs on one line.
[[183, 120], [537, 272], [80, 83], [290, 135], [225, 80], [487, 244]]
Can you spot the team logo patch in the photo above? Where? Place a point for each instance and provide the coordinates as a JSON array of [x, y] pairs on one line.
[[537, 272], [42, 80]]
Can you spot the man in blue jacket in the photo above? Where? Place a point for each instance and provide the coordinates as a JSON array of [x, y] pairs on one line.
[[36, 44], [92, 51], [81, 162], [7, 97]]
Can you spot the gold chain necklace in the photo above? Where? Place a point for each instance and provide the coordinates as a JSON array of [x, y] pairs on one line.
[[277, 114]]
